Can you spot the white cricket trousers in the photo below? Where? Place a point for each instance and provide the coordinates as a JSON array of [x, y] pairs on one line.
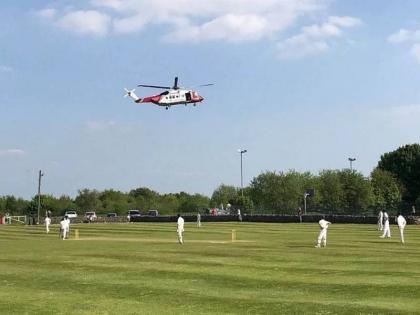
[[322, 237], [180, 239], [401, 234], [47, 226], [387, 231]]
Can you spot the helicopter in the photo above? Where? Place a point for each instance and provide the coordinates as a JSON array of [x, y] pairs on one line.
[[174, 95]]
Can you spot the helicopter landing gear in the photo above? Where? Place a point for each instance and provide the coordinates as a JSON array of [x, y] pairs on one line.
[[194, 104], [166, 107]]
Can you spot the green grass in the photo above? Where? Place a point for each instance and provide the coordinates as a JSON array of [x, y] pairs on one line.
[[271, 269]]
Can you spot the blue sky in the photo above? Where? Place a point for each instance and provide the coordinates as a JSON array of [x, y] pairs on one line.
[[301, 84]]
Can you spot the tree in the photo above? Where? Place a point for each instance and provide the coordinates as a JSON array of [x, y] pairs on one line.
[[114, 201], [386, 191], [63, 204], [145, 198], [168, 204], [404, 164], [223, 195], [280, 192], [330, 191], [357, 191], [242, 202], [15, 206], [193, 203], [88, 200]]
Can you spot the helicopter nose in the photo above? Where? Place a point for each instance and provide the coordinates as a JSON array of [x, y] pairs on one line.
[[200, 98]]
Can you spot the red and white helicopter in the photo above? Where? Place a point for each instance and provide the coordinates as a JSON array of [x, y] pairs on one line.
[[174, 95]]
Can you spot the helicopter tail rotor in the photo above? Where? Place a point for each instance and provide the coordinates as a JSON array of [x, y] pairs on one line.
[[132, 95]]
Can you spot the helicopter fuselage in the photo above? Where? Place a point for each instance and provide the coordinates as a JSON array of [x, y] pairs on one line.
[[173, 97]]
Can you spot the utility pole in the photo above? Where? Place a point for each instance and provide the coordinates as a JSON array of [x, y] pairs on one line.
[[39, 192]]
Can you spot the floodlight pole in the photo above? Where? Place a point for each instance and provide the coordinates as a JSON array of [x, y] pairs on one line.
[[351, 160], [39, 192], [241, 151], [305, 194]]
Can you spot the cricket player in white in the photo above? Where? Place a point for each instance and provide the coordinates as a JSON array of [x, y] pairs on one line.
[[180, 229], [387, 231], [63, 228], [401, 225], [68, 226], [47, 224], [322, 237], [380, 221], [198, 219]]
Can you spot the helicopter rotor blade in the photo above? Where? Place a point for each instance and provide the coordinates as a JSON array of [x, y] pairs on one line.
[[154, 86], [208, 84], [175, 87]]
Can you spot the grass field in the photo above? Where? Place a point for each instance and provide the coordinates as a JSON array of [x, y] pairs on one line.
[[270, 269]]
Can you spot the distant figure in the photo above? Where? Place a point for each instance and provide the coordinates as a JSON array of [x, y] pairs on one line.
[[401, 225], [239, 215], [380, 221], [68, 226], [47, 224], [387, 231], [299, 213], [63, 228], [413, 210], [180, 229], [198, 219], [322, 236]]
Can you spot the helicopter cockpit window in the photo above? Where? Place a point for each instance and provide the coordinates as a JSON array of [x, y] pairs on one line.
[[164, 93]]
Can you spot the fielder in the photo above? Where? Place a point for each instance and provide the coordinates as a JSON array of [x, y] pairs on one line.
[[47, 224], [180, 229], [380, 220], [387, 231], [198, 219], [322, 236], [401, 225], [63, 228], [239, 215], [68, 226]]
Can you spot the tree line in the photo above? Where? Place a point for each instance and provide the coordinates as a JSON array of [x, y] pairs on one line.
[[394, 185]]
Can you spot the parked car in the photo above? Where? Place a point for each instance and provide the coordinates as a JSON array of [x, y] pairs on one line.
[[71, 214], [111, 215], [90, 216], [133, 214], [153, 213]]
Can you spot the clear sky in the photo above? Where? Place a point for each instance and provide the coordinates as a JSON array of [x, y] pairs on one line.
[[301, 85]]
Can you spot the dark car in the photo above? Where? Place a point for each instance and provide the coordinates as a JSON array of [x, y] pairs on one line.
[[111, 215]]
